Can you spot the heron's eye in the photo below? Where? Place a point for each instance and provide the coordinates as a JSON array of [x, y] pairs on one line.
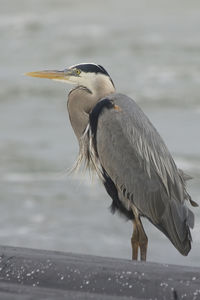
[[78, 71]]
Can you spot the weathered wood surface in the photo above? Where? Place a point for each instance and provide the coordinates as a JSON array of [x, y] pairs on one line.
[[38, 274]]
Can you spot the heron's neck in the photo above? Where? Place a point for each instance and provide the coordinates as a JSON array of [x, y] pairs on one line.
[[80, 103]]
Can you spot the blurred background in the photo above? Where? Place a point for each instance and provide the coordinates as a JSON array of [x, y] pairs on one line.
[[152, 51]]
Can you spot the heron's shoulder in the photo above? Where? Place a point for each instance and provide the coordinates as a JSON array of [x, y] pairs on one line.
[[129, 106], [129, 114], [121, 98]]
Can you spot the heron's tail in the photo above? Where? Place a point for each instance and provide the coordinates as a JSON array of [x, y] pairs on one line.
[[175, 223]]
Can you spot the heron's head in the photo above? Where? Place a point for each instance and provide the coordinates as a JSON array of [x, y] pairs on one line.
[[89, 75]]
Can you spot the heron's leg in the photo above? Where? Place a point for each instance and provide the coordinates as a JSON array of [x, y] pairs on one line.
[[139, 237], [135, 241], [143, 240]]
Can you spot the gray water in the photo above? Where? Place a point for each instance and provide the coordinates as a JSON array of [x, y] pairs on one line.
[[152, 51]]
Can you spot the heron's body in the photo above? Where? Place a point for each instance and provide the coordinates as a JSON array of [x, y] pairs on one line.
[[156, 190], [136, 168]]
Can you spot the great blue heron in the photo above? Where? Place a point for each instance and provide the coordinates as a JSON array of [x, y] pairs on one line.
[[118, 141]]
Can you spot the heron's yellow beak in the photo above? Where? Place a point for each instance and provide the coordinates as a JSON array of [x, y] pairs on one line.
[[50, 74]]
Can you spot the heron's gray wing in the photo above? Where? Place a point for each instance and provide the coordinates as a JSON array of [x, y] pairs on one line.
[[137, 160], [130, 129]]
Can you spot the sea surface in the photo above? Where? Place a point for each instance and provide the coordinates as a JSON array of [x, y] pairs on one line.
[[152, 51]]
